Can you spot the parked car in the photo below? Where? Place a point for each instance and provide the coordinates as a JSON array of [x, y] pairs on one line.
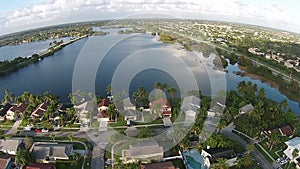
[[37, 130], [45, 130], [27, 128], [279, 159], [284, 161]]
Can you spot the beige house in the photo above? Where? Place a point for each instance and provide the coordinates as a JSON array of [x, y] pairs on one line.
[[145, 151]]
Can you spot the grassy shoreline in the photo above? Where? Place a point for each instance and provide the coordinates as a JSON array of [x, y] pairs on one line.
[[19, 63]]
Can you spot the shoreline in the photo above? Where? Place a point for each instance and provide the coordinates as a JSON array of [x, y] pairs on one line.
[[34, 58]]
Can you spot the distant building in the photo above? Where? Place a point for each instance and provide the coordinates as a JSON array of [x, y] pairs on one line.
[[246, 109], [145, 151]]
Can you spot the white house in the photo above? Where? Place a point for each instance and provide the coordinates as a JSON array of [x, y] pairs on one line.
[[129, 104], [103, 119], [84, 110], [293, 144], [190, 107], [16, 111]]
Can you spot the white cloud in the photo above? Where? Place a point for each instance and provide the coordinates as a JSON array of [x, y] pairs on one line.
[[266, 13]]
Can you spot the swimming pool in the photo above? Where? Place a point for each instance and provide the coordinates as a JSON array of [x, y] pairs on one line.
[[193, 159]]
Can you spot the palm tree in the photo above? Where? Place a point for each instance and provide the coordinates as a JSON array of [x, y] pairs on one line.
[[158, 85], [23, 158], [250, 148], [70, 137], [247, 160], [295, 153], [172, 91], [108, 89], [52, 136], [25, 96], [274, 139], [221, 164]]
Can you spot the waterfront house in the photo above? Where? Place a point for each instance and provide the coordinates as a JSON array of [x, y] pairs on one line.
[[84, 111], [129, 114], [15, 111], [40, 110], [103, 105], [145, 151], [161, 107], [45, 152], [103, 119], [129, 104], [246, 109], [3, 111], [284, 130], [10, 146]]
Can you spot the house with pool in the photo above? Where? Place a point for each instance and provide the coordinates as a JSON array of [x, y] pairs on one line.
[[192, 159]]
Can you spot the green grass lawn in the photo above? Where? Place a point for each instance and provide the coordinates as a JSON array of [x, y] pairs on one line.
[[65, 164]]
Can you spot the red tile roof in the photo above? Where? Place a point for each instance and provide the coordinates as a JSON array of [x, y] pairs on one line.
[[3, 163], [166, 113], [103, 114], [162, 165], [104, 102], [41, 166], [161, 102]]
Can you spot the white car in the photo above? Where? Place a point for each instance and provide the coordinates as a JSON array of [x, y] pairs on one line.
[[27, 128], [45, 131]]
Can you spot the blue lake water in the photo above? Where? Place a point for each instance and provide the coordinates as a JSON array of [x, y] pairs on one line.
[[54, 73], [26, 49]]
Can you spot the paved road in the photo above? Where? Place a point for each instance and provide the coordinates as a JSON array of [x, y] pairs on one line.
[[13, 130], [264, 163]]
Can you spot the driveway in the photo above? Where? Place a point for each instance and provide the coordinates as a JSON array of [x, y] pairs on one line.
[[13, 130]]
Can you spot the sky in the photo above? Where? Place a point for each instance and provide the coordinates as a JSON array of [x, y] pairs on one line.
[[18, 15]]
